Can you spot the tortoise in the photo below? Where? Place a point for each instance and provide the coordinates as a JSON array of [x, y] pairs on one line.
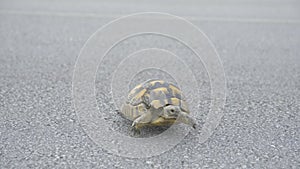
[[156, 103]]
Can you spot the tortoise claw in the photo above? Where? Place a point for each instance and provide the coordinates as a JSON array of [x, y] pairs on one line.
[[135, 132], [133, 125], [194, 126]]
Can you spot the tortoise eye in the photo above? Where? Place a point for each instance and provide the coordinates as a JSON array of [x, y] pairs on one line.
[[172, 110]]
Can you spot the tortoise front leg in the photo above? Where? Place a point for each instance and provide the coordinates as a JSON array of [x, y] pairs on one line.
[[141, 121], [186, 119]]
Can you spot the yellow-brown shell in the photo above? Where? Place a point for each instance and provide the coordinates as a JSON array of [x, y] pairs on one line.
[[152, 93]]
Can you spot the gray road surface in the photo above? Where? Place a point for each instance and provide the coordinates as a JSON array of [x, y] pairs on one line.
[[258, 43]]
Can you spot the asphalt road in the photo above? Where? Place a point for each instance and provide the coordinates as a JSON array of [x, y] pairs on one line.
[[258, 43]]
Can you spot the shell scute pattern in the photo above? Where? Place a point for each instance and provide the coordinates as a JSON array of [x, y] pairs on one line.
[[141, 93], [153, 93]]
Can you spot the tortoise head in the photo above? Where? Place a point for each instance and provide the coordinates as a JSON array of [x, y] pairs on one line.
[[171, 111], [175, 112]]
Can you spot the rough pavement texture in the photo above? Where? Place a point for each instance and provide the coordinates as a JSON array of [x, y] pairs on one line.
[[261, 123]]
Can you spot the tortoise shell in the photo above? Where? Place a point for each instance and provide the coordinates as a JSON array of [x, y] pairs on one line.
[[152, 94]]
